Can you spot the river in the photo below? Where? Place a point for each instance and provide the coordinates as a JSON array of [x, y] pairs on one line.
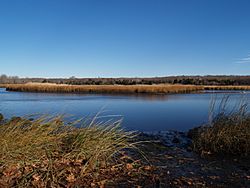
[[139, 112]]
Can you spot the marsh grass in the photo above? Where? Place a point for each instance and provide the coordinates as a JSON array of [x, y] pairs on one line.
[[229, 87], [228, 131], [47, 153], [123, 89]]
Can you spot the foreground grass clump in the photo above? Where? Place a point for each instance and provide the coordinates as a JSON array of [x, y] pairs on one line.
[[227, 133], [117, 89], [47, 153]]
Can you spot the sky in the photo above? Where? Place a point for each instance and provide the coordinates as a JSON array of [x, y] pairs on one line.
[[124, 38]]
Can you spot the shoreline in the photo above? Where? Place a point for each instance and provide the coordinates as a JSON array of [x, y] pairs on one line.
[[165, 159], [169, 162]]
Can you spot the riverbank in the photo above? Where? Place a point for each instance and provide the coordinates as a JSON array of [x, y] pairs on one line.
[[177, 165], [44, 153]]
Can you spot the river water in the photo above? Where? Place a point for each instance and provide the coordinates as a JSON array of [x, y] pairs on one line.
[[139, 112]]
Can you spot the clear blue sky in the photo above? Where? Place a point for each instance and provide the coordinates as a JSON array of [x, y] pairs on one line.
[[113, 38]]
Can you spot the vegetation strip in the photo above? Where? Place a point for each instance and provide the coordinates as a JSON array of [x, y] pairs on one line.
[[242, 87], [131, 89], [190, 80], [115, 89]]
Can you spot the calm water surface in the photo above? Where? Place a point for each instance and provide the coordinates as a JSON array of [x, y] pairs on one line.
[[141, 112]]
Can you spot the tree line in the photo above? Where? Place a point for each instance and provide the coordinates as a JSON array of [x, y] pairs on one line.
[[193, 80]]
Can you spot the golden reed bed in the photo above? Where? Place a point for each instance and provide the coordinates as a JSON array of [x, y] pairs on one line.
[[116, 89], [227, 87], [126, 89], [3, 85]]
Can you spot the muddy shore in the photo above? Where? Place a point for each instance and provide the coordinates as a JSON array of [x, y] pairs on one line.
[[176, 165]]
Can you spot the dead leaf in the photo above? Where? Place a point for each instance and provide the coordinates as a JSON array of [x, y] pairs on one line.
[[102, 183], [129, 166], [36, 177], [71, 178], [148, 168]]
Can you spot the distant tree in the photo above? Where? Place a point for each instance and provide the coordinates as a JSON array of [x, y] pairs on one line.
[[3, 78]]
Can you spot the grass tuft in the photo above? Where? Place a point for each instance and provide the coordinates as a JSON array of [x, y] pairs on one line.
[[227, 133], [47, 153]]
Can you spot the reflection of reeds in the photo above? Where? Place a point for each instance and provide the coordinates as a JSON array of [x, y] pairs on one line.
[[227, 87], [152, 89], [47, 153], [228, 131]]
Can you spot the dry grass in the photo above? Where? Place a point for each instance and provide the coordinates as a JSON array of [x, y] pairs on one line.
[[227, 133], [115, 89], [227, 87], [47, 153], [126, 89]]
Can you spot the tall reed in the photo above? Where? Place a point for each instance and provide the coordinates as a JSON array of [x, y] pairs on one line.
[[228, 131]]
